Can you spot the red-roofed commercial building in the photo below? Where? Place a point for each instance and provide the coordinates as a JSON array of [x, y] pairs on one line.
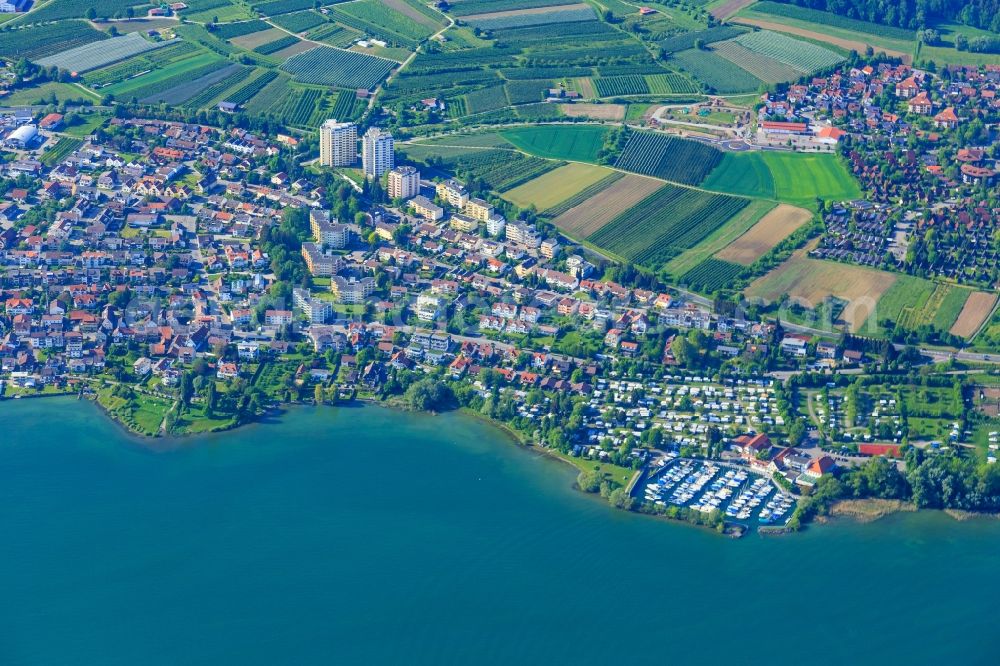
[[830, 135], [774, 127], [53, 121]]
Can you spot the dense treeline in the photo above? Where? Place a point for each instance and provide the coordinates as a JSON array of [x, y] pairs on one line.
[[913, 14], [929, 481]]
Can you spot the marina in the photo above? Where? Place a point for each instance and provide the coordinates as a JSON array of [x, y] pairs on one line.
[[741, 496]]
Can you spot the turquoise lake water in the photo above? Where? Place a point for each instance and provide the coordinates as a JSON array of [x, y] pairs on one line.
[[368, 536]]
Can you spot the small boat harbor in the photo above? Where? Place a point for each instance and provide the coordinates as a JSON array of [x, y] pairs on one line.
[[744, 499]]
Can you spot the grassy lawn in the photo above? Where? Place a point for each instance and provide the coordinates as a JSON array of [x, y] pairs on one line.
[[901, 296], [556, 186], [64, 92], [798, 177], [794, 178], [142, 413], [195, 421], [579, 143], [614, 473], [86, 124]]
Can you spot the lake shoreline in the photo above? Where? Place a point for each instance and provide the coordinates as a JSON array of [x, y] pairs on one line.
[[861, 511]]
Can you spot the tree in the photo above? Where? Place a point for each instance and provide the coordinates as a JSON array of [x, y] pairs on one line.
[[91, 13], [318, 394], [621, 499], [429, 395]]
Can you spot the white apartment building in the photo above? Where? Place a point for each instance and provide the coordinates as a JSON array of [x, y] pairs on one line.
[[377, 152], [338, 144]]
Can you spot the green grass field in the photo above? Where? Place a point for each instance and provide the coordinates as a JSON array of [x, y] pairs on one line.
[[86, 124], [556, 186], [914, 302], [579, 143], [796, 178], [733, 229], [63, 92]]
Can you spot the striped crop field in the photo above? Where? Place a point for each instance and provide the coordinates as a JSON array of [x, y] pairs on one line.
[[669, 158], [803, 56], [717, 73], [521, 18], [711, 275], [665, 224], [590, 215], [765, 68], [328, 66], [98, 54]]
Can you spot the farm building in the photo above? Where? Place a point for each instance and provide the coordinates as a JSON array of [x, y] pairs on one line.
[[22, 137]]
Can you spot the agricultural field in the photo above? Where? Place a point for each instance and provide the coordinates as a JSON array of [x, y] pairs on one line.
[[794, 178], [913, 302], [161, 79], [299, 22], [528, 91], [579, 143], [278, 44], [840, 32], [40, 41], [590, 215], [687, 40], [334, 67], [273, 8], [811, 282], [975, 311], [669, 158], [215, 11], [737, 226], [47, 92], [594, 111], [761, 238], [240, 29], [486, 99], [210, 89], [269, 97], [715, 72], [333, 34], [188, 91], [665, 224], [764, 68], [178, 50], [940, 309], [830, 20], [670, 84], [501, 169], [556, 186], [470, 7], [252, 86], [99, 54], [405, 28], [711, 275], [583, 195], [522, 18], [803, 56], [60, 150], [55, 10], [253, 40], [615, 86]]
